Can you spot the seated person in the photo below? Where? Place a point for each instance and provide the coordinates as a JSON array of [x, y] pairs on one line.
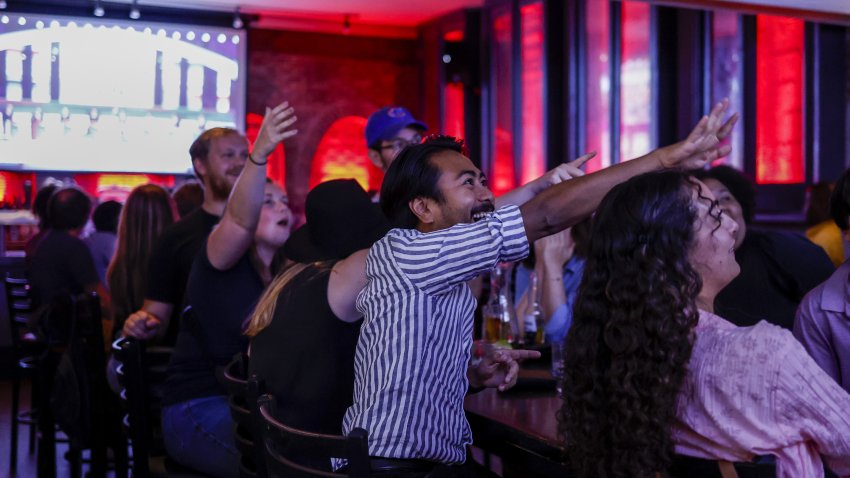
[[416, 299], [823, 319], [305, 328], [650, 370], [777, 268], [228, 276], [102, 241], [559, 264], [61, 263]]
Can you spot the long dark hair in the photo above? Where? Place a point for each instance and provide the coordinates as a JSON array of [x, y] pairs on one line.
[[147, 212], [631, 337]]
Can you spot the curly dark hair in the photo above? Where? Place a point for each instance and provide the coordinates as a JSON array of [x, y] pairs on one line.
[[632, 334]]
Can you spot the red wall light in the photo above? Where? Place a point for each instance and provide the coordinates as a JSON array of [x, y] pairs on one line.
[[780, 51], [531, 55], [342, 154]]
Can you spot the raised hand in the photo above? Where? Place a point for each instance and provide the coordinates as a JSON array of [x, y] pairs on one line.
[[703, 145], [555, 250], [565, 171], [275, 128]]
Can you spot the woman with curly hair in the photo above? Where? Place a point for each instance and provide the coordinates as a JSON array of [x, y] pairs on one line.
[[651, 371]]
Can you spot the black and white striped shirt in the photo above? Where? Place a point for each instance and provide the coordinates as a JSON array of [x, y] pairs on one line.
[[412, 355]]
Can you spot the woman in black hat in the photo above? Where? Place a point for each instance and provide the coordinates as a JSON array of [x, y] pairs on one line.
[[304, 330]]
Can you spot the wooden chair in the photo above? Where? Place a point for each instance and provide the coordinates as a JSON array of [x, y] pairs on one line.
[[27, 350], [141, 373], [293, 453], [243, 391]]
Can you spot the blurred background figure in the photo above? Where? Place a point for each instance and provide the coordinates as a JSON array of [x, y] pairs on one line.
[[188, 197], [822, 229], [822, 324], [147, 212], [101, 242], [777, 267]]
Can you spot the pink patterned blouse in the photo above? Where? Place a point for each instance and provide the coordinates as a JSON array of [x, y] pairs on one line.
[[755, 391]]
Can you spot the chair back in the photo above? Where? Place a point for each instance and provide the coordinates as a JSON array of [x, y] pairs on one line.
[[243, 391], [134, 393], [20, 308], [295, 453]]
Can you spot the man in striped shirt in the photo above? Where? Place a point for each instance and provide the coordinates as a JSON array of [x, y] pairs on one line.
[[414, 348]]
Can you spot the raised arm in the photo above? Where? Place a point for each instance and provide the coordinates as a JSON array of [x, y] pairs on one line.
[[234, 234], [556, 175], [567, 203]]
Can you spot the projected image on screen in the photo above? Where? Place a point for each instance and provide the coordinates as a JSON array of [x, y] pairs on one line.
[[81, 95]]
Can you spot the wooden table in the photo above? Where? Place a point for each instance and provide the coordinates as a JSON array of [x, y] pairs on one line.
[[520, 426]]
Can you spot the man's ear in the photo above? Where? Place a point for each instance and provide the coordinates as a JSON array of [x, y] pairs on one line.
[[375, 157], [423, 209], [200, 168]]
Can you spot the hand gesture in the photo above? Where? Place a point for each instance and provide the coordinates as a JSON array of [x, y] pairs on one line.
[[555, 250], [564, 171], [499, 368], [275, 128], [141, 325], [703, 144]]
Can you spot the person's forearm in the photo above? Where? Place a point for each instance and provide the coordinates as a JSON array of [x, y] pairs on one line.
[[552, 290], [518, 196], [565, 204], [246, 199]]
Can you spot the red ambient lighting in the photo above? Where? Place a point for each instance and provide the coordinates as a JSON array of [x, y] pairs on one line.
[[342, 154], [453, 119], [502, 178], [780, 52], [533, 160]]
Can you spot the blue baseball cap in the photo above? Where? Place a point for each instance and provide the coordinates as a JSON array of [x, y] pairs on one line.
[[385, 123]]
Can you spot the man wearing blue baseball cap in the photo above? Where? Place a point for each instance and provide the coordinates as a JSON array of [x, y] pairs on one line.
[[388, 131]]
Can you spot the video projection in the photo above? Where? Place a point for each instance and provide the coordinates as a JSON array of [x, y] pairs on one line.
[[80, 94]]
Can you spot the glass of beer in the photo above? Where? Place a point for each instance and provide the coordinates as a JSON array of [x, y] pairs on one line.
[[495, 329]]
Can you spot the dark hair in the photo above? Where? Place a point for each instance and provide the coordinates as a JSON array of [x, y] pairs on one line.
[[147, 212], [39, 205], [839, 202], [412, 175], [69, 208], [189, 196], [739, 185], [627, 351], [200, 148], [105, 216]]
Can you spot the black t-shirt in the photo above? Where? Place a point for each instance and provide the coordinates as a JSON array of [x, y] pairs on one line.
[[777, 270], [212, 334], [60, 264], [306, 356], [173, 255], [171, 261]]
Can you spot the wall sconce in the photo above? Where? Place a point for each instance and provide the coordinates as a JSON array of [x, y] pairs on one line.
[[135, 14]]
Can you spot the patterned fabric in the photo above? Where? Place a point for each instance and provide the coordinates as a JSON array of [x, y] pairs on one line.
[[412, 355], [754, 391]]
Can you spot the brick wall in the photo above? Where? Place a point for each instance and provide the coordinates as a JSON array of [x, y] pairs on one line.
[[326, 77]]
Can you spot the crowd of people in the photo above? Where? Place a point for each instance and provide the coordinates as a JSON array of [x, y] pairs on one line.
[[674, 311]]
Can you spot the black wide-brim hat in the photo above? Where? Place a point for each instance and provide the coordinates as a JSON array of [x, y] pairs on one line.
[[341, 219]]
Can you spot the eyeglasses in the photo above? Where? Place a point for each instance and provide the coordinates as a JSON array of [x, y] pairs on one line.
[[397, 144]]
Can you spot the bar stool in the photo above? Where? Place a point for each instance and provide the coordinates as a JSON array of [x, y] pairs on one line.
[[27, 350]]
